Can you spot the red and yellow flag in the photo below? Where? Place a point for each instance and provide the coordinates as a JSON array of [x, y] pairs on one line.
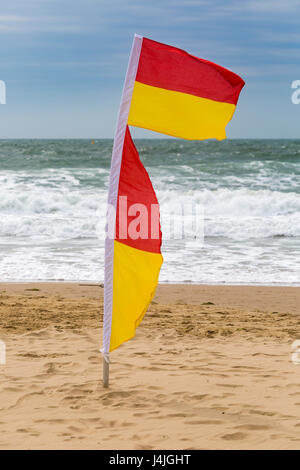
[[137, 256], [169, 91], [178, 94]]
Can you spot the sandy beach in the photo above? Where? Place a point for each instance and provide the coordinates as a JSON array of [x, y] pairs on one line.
[[210, 368]]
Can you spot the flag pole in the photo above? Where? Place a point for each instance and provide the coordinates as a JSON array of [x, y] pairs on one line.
[[116, 161], [105, 373]]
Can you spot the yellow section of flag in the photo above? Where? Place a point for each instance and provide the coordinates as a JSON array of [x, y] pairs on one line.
[[135, 279], [178, 114]]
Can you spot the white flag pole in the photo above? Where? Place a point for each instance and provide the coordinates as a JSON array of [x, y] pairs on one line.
[[116, 161]]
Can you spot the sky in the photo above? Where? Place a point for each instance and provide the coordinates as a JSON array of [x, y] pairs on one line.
[[64, 62]]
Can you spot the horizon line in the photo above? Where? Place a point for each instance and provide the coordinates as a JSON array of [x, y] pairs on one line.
[[149, 138]]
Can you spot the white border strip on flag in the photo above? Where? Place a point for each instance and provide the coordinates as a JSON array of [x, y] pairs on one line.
[[113, 189]]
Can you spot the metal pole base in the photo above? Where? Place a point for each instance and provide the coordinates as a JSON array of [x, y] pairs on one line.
[[105, 373]]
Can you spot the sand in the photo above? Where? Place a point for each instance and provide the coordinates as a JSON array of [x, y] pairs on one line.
[[210, 368]]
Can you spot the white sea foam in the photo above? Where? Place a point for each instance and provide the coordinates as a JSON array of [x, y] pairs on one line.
[[236, 214], [53, 203]]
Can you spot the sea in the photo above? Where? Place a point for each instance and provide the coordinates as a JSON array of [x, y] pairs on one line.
[[53, 202]]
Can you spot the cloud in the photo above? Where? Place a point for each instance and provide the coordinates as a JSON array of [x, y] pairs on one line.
[[12, 18], [272, 6], [57, 48], [282, 37], [242, 9], [47, 24]]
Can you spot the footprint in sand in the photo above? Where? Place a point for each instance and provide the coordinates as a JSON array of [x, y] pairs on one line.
[[204, 421], [235, 436], [25, 397], [253, 427]]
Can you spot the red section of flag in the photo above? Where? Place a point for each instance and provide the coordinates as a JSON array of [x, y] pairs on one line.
[[171, 68], [137, 218]]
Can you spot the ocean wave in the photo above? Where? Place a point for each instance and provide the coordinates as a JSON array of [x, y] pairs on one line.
[[253, 227], [235, 203], [236, 214], [53, 202]]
